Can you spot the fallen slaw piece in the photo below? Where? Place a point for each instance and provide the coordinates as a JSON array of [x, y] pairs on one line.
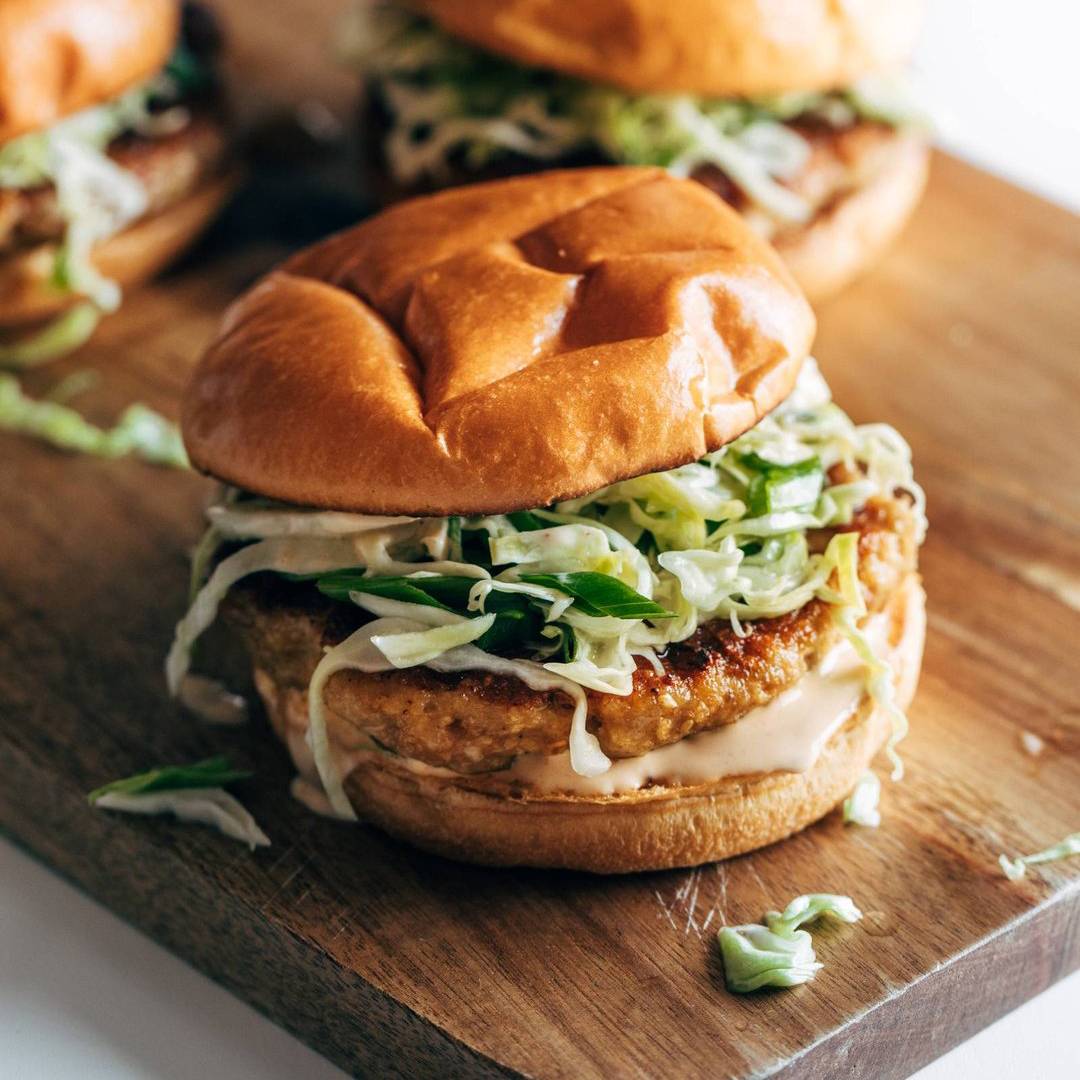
[[191, 793], [780, 954]]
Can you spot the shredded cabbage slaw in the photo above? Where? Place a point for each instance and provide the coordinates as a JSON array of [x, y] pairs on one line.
[[574, 596], [445, 99]]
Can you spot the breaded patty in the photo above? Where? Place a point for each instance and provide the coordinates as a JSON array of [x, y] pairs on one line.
[[477, 721], [169, 167]]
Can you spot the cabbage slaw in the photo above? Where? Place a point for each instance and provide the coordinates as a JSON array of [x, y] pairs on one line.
[[585, 590], [447, 100]]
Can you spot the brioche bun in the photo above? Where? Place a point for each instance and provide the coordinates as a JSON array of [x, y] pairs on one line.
[[655, 828], [133, 255], [60, 56], [846, 238], [500, 346], [722, 48]]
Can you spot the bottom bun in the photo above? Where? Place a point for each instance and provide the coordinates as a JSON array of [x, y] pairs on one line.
[[128, 258], [655, 828], [848, 237]]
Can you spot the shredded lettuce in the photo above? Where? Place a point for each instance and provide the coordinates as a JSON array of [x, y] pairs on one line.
[[861, 806], [582, 592], [448, 100], [190, 792], [140, 432], [780, 954], [1015, 869]]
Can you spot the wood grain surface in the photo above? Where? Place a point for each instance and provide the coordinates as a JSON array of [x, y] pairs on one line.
[[395, 963]]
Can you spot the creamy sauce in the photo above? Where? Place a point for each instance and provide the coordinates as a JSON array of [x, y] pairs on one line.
[[785, 735]]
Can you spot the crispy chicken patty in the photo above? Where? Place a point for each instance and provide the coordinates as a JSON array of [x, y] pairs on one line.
[[169, 167], [478, 721]]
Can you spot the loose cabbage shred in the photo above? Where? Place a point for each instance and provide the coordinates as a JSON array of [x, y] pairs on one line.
[[861, 806], [140, 431], [780, 954], [193, 793], [1015, 869]]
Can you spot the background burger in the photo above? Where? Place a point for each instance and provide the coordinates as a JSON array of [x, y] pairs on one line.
[[545, 538], [791, 112], [113, 156]]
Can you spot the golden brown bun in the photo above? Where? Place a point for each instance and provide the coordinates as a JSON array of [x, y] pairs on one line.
[[847, 238], [500, 346], [128, 258], [653, 829], [726, 48], [59, 56]]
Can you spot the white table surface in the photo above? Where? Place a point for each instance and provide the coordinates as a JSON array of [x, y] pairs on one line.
[[83, 995]]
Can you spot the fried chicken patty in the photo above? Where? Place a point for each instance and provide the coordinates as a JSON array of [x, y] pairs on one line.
[[169, 167], [475, 721]]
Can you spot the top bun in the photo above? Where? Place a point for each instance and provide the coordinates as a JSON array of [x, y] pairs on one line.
[[500, 346], [722, 48], [60, 56]]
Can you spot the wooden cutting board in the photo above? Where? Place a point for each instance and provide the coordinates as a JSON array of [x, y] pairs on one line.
[[391, 962]]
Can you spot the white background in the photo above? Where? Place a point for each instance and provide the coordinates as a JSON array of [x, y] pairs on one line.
[[81, 994]]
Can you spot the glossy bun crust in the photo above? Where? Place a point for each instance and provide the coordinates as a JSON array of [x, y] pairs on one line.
[[724, 48], [60, 56], [656, 828], [500, 346]]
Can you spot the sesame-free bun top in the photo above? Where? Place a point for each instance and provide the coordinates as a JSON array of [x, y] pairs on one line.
[[726, 48], [499, 347], [60, 56]]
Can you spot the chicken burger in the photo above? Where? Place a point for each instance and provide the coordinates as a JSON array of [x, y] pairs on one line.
[[113, 157], [794, 113], [547, 543]]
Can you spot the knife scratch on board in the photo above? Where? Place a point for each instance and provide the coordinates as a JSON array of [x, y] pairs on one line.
[[684, 906], [665, 909]]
